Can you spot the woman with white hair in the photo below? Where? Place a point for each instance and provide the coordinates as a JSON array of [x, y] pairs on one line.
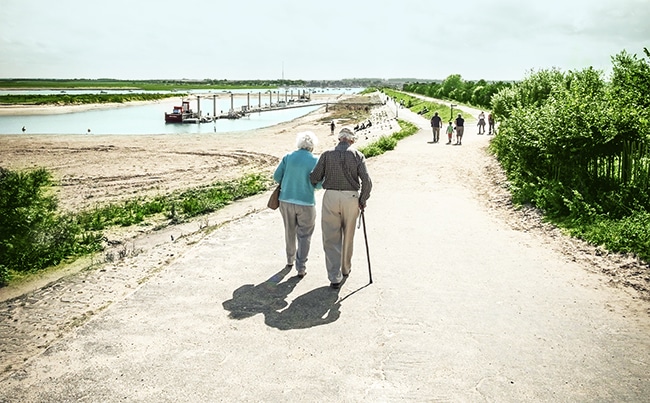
[[297, 201]]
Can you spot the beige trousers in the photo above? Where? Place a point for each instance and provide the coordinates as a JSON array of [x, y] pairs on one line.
[[299, 223], [338, 223]]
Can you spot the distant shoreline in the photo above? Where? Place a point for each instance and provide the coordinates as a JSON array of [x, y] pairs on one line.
[[21, 110]]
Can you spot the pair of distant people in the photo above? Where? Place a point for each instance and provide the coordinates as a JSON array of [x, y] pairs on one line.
[[481, 123], [436, 125]]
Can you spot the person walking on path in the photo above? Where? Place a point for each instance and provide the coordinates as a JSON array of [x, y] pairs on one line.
[[460, 127], [297, 201], [436, 124], [450, 132], [491, 123], [481, 123], [332, 127], [343, 173]]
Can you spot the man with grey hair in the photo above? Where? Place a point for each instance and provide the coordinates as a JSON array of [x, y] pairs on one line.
[[297, 201], [343, 173]]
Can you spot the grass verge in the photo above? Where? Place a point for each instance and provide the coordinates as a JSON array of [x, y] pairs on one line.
[[36, 236], [426, 108], [387, 143]]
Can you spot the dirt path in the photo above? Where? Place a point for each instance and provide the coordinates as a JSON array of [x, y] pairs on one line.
[[472, 301]]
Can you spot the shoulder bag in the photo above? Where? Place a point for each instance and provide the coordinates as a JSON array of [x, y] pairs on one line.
[[274, 200]]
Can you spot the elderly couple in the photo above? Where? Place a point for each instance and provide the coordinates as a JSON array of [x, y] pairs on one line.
[[342, 173]]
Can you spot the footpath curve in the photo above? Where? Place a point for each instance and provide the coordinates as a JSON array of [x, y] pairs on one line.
[[463, 307]]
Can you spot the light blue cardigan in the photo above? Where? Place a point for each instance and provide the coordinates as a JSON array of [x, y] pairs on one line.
[[293, 176]]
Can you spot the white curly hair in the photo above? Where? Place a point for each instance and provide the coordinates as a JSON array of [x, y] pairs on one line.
[[306, 141], [347, 134]]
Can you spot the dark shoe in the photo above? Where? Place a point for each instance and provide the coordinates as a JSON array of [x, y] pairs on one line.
[[346, 274], [335, 286]]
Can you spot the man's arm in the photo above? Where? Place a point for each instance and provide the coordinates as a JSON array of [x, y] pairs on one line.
[[318, 172], [366, 184]]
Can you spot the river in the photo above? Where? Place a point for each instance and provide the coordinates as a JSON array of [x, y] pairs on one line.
[[149, 118]]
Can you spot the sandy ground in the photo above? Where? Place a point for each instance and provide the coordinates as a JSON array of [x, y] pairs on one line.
[[473, 300], [98, 169]]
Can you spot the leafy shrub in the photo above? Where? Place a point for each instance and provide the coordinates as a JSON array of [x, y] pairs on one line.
[[4, 274], [630, 234], [371, 150], [578, 147], [477, 93], [387, 143], [33, 235]]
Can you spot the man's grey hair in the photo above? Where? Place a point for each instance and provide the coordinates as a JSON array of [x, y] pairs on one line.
[[306, 141], [347, 134]]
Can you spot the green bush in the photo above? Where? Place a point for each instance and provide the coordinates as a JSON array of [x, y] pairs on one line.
[[478, 93], [387, 143], [32, 235], [578, 146], [630, 234], [371, 150], [4, 274]]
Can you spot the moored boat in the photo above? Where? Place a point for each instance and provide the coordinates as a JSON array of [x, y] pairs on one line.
[[181, 114]]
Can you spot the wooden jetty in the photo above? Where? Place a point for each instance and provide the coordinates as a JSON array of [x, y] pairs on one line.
[[185, 115]]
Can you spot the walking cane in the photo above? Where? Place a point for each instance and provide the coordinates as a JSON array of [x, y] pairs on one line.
[[365, 235]]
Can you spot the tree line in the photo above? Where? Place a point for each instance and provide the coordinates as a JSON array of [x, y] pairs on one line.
[[478, 93], [575, 144]]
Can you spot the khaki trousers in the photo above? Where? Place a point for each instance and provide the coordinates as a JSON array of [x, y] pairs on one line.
[[338, 223], [299, 223]]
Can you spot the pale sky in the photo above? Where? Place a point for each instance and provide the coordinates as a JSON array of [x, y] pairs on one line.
[[312, 40]]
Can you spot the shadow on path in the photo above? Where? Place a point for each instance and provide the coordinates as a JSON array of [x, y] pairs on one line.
[[269, 296], [316, 307]]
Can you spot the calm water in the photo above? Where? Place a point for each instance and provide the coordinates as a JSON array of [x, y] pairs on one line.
[[149, 119]]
